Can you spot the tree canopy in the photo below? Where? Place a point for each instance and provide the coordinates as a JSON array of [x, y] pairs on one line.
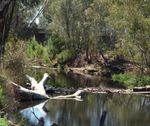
[[90, 27]]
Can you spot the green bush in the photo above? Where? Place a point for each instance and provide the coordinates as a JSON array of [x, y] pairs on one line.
[[37, 51], [142, 80], [1, 97], [55, 45], [65, 56], [54, 50], [132, 80], [127, 79], [3, 122]]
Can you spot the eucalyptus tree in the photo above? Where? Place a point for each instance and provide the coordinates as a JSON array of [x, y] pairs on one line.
[[131, 21], [8, 12], [78, 23], [88, 26]]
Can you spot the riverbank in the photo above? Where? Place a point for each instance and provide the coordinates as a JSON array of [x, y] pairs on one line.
[[91, 84]]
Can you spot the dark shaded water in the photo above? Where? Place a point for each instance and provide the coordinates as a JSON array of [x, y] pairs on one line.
[[69, 80], [94, 110]]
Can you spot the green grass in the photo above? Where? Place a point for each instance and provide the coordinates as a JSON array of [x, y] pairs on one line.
[[131, 80]]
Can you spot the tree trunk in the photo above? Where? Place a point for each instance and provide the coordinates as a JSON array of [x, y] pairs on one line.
[[104, 58], [6, 13]]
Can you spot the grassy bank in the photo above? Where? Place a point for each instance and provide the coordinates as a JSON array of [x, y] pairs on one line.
[[131, 80]]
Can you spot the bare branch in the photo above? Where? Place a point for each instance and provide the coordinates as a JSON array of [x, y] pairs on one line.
[[39, 12]]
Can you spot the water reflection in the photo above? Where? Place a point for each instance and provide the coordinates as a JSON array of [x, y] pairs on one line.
[[69, 80], [35, 114], [95, 110]]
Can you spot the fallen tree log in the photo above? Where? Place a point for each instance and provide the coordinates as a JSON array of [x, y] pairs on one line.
[[76, 96], [59, 90], [29, 95], [24, 94], [37, 91], [141, 89], [38, 87]]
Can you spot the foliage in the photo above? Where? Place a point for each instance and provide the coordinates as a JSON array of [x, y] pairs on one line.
[[79, 24], [37, 51], [3, 122], [29, 3], [15, 60], [142, 80], [91, 27], [127, 79], [65, 56], [132, 80], [54, 49], [55, 45], [99, 25], [130, 21], [1, 97], [13, 14]]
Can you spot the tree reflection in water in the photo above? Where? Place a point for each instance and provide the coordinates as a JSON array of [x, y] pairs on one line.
[[95, 110]]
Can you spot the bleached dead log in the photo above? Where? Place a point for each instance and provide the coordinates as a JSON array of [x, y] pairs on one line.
[[141, 89], [38, 92], [75, 96], [38, 87], [26, 94]]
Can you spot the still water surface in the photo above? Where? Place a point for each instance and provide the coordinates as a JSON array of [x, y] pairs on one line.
[[94, 110]]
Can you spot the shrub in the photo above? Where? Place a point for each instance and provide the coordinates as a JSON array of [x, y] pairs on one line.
[[127, 79], [15, 60], [55, 45], [142, 80], [65, 56], [3, 122], [37, 51], [1, 97], [132, 80]]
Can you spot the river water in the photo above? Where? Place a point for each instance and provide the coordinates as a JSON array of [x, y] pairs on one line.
[[94, 110]]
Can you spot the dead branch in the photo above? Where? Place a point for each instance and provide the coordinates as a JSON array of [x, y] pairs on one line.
[[38, 92]]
